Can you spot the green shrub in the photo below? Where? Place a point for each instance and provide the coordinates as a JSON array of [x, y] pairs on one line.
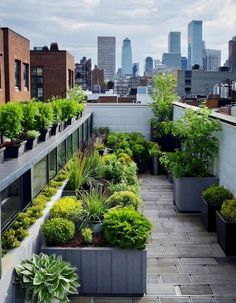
[[57, 110], [9, 240], [87, 235], [67, 207], [21, 233], [23, 220], [216, 194], [45, 117], [126, 228], [228, 210], [55, 184], [124, 199], [32, 134], [62, 176], [40, 200], [58, 231], [34, 212], [112, 187], [49, 191], [45, 278], [30, 110], [154, 150]]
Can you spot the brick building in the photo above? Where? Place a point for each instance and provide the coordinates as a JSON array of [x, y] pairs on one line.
[[14, 66], [52, 72]]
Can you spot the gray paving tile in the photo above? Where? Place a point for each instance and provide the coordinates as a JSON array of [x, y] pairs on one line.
[[191, 269], [195, 290], [171, 261], [219, 269], [202, 300], [113, 300], [215, 279], [146, 299], [199, 261], [158, 289], [174, 300], [175, 279], [225, 299], [228, 289]]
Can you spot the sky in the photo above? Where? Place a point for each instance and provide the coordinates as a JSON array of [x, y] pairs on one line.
[[75, 24]]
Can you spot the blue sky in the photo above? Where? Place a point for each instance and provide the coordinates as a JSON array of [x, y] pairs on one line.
[[75, 24]]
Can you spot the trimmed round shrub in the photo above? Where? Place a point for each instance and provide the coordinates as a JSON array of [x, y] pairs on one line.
[[68, 208], [49, 191], [124, 198], [216, 194], [228, 211], [126, 228], [58, 231], [112, 187]]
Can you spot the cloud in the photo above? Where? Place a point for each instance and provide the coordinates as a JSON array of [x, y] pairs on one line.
[[75, 24]]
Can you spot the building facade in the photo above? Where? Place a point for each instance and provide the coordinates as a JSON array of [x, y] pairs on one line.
[[126, 57], [52, 73], [148, 65], [232, 54], [174, 42], [83, 73], [211, 59], [172, 60], [195, 43], [14, 66], [135, 69], [106, 55], [97, 79]]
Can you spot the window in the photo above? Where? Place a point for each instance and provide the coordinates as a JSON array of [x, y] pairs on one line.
[[69, 147], [187, 81], [52, 163], [70, 78], [40, 174], [26, 76], [37, 82], [17, 75], [61, 153]]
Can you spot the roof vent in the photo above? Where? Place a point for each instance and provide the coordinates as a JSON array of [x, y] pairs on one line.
[[54, 47]]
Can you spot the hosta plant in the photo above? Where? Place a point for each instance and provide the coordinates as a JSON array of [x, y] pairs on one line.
[[45, 278]]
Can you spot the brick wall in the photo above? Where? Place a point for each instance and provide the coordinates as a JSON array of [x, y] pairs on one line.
[[55, 66], [2, 78], [16, 47]]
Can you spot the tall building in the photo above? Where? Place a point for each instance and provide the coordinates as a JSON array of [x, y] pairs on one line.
[[174, 42], [172, 60], [106, 53], [232, 54], [97, 79], [135, 69], [83, 73], [148, 65], [211, 59], [126, 57], [195, 43], [184, 63]]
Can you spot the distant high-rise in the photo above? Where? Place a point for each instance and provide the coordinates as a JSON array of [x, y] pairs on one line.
[[174, 42], [195, 43], [211, 59], [148, 65], [126, 57], [172, 60], [83, 73], [135, 69], [232, 54], [107, 56]]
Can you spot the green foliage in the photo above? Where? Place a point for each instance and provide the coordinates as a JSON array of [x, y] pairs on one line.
[[124, 199], [58, 231], [199, 145], [67, 207], [126, 228], [99, 146], [9, 240], [95, 206], [77, 94], [44, 119], [21, 233], [34, 212], [49, 191], [154, 150], [228, 210], [57, 110], [11, 118], [23, 220], [62, 176], [216, 194], [87, 235], [32, 134], [45, 278], [55, 184], [112, 187], [40, 200], [30, 110]]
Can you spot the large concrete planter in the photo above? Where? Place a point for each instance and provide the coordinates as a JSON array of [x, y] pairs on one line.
[[209, 215], [226, 235], [106, 271], [188, 192]]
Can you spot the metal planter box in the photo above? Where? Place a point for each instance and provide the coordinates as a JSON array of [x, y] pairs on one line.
[[106, 271], [209, 215], [188, 192]]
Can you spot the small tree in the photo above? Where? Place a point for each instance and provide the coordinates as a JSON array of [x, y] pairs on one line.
[[44, 118], [31, 111], [163, 97], [199, 144], [11, 118], [76, 93]]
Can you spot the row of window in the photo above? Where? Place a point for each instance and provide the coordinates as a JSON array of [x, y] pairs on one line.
[[20, 193], [18, 67]]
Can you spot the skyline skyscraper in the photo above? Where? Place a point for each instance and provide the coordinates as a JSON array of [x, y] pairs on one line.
[[174, 42], [106, 54], [126, 57], [148, 65], [232, 54], [195, 43], [211, 59]]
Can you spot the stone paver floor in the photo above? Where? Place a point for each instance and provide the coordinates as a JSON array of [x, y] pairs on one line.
[[185, 263]]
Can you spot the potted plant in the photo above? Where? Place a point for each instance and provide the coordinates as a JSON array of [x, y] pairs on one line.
[[47, 279], [163, 96], [226, 227], [154, 153], [57, 116], [31, 111], [212, 199], [44, 120], [191, 166], [11, 118], [78, 95], [32, 138]]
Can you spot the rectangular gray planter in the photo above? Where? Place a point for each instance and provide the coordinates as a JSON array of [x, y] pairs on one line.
[[106, 271], [188, 192]]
